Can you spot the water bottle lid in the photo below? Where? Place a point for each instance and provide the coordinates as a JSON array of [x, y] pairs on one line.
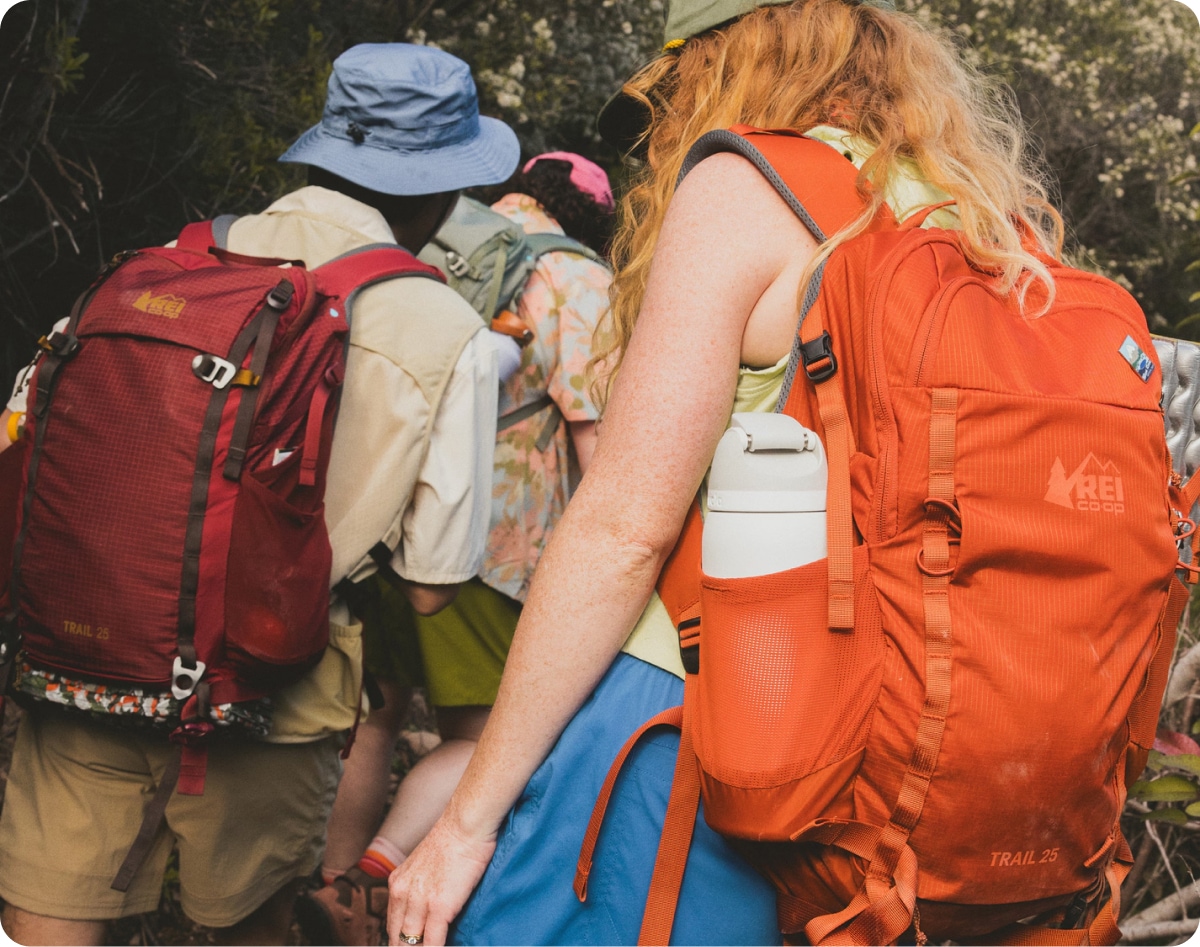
[[768, 463]]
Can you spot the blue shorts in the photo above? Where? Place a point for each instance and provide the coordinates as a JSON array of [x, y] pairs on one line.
[[526, 897]]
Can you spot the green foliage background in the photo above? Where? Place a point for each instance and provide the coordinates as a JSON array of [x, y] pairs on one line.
[[122, 119]]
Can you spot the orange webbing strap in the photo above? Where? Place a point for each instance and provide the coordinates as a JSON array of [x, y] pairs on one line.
[[874, 916], [672, 717], [882, 909], [935, 565], [674, 845], [679, 580], [839, 518], [823, 184], [1103, 929]]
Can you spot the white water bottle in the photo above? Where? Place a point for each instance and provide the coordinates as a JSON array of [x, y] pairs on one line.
[[766, 498]]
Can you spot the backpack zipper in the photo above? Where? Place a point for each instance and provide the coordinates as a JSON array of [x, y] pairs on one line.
[[938, 319], [878, 370]]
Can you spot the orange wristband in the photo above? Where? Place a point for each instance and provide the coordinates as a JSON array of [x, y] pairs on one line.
[[16, 426]]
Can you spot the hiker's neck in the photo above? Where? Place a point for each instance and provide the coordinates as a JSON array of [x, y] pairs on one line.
[[417, 228]]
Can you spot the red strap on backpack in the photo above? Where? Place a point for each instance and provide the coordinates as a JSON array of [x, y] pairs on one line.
[[353, 272], [197, 237]]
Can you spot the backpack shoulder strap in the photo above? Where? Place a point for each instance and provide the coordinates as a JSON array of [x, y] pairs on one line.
[[349, 274], [207, 233], [820, 185], [220, 230], [345, 277], [197, 237], [814, 179], [543, 243]]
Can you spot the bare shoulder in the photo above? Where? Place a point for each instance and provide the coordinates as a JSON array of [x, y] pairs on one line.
[[730, 182], [727, 198], [725, 169], [749, 229]]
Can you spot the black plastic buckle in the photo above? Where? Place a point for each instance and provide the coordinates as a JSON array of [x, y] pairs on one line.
[[60, 344], [815, 352], [281, 295], [689, 653]]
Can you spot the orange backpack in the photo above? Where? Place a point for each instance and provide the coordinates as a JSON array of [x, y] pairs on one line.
[[932, 729]]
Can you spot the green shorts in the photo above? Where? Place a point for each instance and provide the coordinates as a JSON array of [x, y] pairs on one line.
[[457, 654], [75, 799]]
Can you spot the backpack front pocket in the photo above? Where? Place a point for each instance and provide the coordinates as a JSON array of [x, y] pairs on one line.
[[784, 703]]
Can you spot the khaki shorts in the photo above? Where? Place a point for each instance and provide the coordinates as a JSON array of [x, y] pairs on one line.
[[457, 654], [74, 803]]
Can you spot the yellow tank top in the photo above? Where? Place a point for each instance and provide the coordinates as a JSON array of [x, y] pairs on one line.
[[653, 638]]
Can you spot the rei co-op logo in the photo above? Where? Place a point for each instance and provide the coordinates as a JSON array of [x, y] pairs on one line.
[[1094, 486], [165, 305]]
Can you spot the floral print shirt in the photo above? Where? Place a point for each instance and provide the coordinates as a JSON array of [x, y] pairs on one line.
[[562, 302]]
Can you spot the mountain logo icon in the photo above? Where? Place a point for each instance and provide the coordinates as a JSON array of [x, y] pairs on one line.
[[166, 305], [1095, 486]]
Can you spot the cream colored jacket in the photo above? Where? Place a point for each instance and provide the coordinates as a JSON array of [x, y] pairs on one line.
[[412, 451]]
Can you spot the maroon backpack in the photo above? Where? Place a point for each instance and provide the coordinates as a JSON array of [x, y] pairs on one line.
[[170, 562]]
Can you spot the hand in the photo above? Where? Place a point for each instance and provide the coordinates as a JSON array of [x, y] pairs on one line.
[[431, 886]]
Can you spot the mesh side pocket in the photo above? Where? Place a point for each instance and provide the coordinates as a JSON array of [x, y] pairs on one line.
[[781, 697], [277, 590]]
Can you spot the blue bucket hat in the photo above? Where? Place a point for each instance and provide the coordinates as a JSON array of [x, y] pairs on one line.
[[404, 119]]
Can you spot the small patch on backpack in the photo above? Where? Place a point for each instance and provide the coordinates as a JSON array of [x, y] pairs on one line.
[[167, 305], [1138, 360]]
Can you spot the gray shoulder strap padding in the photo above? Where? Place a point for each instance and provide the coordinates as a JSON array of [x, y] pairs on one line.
[[365, 248], [220, 229], [542, 243]]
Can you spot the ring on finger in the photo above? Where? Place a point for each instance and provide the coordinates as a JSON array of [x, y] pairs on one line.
[[412, 939]]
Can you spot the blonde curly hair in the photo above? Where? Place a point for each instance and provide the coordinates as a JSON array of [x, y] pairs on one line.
[[880, 75]]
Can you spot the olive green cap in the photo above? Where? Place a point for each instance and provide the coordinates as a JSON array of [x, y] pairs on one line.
[[687, 18], [622, 120]]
